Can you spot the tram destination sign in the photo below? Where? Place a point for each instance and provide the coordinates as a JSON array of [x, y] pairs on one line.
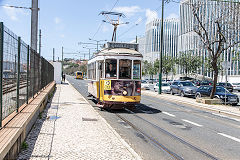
[[133, 46]]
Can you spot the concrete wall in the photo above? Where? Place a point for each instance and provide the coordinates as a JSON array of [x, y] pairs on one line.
[[57, 71]]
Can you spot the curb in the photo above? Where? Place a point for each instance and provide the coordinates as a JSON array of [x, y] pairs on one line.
[[195, 105], [129, 148]]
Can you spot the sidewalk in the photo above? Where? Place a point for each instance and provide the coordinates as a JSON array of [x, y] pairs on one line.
[[225, 109], [70, 128]]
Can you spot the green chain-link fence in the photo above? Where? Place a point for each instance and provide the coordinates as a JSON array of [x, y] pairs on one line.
[[20, 72]]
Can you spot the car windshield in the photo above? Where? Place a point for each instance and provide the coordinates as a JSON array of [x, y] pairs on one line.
[[143, 81], [221, 90], [165, 84], [236, 83], [187, 83]]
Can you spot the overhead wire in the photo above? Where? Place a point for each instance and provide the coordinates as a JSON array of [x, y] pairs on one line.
[[99, 27]]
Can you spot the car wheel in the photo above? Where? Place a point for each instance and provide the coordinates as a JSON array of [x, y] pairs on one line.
[[182, 94], [235, 104], [171, 92], [198, 95]]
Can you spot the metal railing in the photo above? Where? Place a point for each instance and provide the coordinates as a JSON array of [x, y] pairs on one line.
[[20, 72]]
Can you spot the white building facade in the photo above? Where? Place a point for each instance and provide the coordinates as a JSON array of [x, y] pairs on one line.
[[210, 11], [153, 39]]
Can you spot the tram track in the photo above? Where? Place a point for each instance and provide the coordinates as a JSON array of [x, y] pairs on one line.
[[159, 144]]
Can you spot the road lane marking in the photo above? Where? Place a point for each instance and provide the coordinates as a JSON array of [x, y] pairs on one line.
[[233, 138], [199, 125], [169, 114]]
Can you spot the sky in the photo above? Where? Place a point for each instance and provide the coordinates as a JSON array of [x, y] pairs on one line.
[[65, 23]]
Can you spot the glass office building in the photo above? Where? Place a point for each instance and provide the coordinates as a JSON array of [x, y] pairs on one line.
[[152, 39], [227, 13]]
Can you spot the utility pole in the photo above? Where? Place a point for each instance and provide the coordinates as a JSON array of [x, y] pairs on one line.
[[97, 41], [53, 54], [34, 24], [62, 60], [40, 45], [136, 39], [160, 55]]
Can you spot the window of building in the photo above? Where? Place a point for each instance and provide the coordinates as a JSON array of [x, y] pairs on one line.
[[111, 68], [137, 69], [125, 69]]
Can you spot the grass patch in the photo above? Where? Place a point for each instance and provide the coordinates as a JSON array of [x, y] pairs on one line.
[[24, 145]]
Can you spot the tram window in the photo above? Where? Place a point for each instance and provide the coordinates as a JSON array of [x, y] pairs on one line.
[[125, 68], [137, 69], [94, 70], [111, 68], [100, 68]]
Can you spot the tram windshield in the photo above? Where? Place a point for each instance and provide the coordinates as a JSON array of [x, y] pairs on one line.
[[125, 68], [111, 68], [137, 69]]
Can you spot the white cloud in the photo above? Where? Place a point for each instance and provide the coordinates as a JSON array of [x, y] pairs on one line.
[[13, 13], [151, 15], [128, 11], [172, 15], [57, 20], [62, 35]]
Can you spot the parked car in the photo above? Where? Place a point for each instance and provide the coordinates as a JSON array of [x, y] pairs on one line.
[[236, 86], [145, 85], [228, 86], [165, 87], [206, 83], [221, 93], [184, 88]]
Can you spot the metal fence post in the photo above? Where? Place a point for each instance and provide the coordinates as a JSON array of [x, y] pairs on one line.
[[1, 70], [33, 73], [18, 71], [27, 72]]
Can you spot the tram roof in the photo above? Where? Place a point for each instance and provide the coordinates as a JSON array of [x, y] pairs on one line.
[[119, 51]]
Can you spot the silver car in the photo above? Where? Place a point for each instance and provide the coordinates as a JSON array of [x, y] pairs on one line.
[[184, 88], [165, 87], [236, 86]]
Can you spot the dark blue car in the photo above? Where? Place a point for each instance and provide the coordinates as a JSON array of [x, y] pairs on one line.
[[205, 91]]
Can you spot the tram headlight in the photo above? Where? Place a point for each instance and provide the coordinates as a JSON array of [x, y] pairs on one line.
[[124, 93]]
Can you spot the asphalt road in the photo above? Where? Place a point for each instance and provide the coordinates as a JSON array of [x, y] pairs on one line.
[[160, 129]]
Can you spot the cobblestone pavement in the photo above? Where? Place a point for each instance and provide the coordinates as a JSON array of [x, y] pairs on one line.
[[69, 128]]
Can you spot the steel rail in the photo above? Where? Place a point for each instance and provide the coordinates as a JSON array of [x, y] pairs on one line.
[[171, 135]]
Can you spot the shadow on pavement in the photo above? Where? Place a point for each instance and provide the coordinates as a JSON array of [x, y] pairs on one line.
[[139, 108]]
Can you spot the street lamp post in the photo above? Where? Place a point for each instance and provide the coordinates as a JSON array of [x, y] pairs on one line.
[[160, 55], [97, 41], [89, 51]]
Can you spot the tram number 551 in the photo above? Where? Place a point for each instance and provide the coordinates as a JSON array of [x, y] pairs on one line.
[[107, 85]]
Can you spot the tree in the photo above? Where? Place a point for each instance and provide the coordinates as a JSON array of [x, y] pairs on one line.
[[225, 35], [189, 62], [148, 68], [168, 65]]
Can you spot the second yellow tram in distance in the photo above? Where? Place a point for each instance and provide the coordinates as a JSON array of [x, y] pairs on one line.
[[78, 75], [114, 75]]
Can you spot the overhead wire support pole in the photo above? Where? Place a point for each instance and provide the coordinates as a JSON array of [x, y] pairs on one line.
[[34, 24], [161, 52], [62, 60], [40, 36]]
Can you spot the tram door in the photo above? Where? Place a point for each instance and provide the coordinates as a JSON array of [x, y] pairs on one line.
[[100, 76]]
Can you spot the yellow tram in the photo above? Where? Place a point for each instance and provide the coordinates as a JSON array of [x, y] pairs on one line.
[[114, 75], [78, 75]]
